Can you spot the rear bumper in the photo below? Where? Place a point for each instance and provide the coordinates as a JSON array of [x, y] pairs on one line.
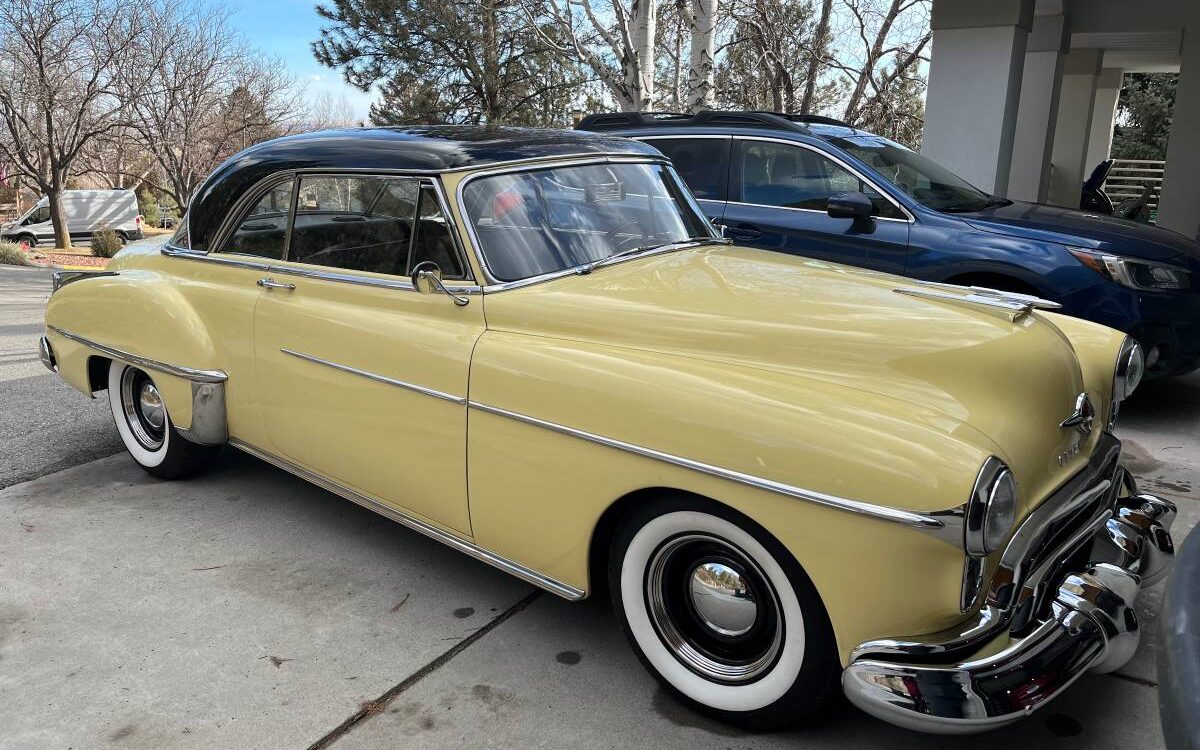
[[1088, 623]]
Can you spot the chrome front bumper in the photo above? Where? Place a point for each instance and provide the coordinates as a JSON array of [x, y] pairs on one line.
[[1067, 610]]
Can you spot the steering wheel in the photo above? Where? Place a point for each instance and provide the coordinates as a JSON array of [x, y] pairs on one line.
[[610, 235]]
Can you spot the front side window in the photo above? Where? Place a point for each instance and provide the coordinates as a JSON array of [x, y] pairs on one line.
[[181, 238], [547, 220], [920, 178], [787, 176], [37, 216], [374, 224], [262, 230]]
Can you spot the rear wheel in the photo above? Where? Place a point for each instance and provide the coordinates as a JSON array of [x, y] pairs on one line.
[[146, 429], [722, 614]]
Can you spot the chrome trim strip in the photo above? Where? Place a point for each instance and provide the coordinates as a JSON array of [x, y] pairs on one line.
[[224, 260], [1032, 300], [379, 378], [894, 515], [494, 284], [350, 278], [529, 575], [188, 373], [1015, 305], [59, 279]]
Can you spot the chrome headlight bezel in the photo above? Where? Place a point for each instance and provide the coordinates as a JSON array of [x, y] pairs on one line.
[[1135, 273], [991, 510], [1130, 369]]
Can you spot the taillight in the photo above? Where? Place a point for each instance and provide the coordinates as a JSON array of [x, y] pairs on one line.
[[139, 222]]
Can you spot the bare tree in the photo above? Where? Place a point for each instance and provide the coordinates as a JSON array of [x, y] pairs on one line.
[[326, 112], [59, 90], [701, 65], [204, 94], [893, 35], [620, 51]]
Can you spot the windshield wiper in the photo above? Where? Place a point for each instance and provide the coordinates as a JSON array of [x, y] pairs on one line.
[[589, 267], [991, 202]]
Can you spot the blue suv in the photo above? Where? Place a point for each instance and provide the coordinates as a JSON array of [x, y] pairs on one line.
[[817, 187]]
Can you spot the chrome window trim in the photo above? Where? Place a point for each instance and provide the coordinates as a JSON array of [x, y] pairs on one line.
[[313, 271], [461, 400], [836, 160], [493, 284], [189, 373], [511, 567], [880, 512]]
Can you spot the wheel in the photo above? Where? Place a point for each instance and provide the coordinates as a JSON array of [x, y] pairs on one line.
[[722, 614], [27, 238], [123, 239], [146, 429]]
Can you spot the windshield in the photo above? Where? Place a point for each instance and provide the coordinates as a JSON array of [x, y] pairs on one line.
[[922, 179], [542, 221]]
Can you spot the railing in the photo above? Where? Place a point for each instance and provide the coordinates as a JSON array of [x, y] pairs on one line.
[[1128, 178]]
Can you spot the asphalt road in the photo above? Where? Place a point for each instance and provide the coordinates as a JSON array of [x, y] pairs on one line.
[[249, 609], [45, 425]]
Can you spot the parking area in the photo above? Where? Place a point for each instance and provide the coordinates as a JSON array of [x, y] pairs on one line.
[[249, 609]]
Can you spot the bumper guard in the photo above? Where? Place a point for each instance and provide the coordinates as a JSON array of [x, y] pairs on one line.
[[1083, 619]]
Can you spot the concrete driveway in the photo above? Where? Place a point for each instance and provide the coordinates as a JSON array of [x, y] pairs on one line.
[[248, 609]]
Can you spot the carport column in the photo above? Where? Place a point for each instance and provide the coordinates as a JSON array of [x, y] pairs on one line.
[[1081, 72], [974, 87], [1179, 205], [1037, 114], [1104, 115]]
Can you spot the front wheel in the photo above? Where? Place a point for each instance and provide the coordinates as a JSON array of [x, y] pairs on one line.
[[146, 429], [722, 614]]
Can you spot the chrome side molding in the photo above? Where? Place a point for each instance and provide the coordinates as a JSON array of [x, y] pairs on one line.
[[881, 512], [377, 377], [528, 575], [59, 279], [188, 373]]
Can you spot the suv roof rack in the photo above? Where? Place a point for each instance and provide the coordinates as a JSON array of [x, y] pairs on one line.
[[743, 118]]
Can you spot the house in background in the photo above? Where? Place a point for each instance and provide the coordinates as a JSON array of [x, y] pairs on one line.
[[1022, 94]]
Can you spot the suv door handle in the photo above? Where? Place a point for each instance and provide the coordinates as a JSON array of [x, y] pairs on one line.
[[745, 232], [269, 283]]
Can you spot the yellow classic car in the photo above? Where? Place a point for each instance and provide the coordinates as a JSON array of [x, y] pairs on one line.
[[789, 476]]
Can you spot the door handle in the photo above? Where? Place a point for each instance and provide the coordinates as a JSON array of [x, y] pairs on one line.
[[745, 232], [269, 283]]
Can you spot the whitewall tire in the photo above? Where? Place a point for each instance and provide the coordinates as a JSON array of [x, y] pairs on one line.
[[721, 613], [146, 429]]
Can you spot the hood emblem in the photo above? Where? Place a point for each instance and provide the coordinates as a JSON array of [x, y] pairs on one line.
[[1083, 417]]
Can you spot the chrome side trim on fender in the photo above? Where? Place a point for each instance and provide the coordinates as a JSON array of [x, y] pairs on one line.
[[188, 373], [209, 423], [883, 513], [59, 279], [378, 378], [529, 575], [1014, 304]]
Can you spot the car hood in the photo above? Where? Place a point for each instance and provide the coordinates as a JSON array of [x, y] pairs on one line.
[[1084, 229], [1011, 381]]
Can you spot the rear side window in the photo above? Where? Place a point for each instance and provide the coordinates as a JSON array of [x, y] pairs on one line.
[[703, 163], [262, 230]]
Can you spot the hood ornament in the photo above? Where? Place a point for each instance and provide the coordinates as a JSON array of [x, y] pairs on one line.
[[1083, 417]]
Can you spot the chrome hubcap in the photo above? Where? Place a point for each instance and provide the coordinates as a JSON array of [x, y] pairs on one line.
[[143, 408], [152, 406], [714, 609], [722, 600]]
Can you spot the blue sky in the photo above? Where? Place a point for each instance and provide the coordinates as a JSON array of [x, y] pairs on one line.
[[286, 29]]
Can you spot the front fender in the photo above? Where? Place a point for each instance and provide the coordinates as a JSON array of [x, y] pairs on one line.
[[874, 575]]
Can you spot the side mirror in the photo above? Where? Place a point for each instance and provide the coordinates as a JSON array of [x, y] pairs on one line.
[[855, 206], [427, 279]]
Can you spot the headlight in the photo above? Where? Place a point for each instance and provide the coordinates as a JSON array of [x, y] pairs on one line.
[[991, 510], [1133, 272]]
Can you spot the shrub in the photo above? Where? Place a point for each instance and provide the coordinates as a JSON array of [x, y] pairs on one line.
[[148, 207], [11, 254], [105, 243]]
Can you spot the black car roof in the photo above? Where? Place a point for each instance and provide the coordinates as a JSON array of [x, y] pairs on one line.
[[422, 149]]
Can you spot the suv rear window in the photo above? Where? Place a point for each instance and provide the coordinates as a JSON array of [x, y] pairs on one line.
[[703, 163]]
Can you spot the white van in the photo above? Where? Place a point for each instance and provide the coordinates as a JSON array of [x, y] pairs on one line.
[[87, 211]]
